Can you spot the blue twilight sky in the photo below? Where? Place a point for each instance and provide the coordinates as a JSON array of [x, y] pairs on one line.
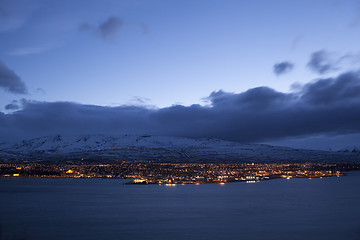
[[160, 53]]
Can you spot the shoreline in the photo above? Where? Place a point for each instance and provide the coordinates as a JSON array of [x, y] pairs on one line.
[[160, 183], [165, 173]]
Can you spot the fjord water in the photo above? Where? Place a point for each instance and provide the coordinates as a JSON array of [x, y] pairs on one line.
[[326, 208]]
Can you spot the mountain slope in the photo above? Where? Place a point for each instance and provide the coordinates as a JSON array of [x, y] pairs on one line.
[[158, 148]]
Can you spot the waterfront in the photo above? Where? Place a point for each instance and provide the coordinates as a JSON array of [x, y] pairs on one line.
[[176, 173], [324, 208]]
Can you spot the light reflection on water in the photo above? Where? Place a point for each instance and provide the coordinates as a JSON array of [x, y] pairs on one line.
[[326, 208]]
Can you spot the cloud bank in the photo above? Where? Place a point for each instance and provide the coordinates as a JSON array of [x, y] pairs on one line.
[[10, 81], [324, 107]]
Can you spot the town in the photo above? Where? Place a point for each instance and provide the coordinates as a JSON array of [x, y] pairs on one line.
[[175, 173]]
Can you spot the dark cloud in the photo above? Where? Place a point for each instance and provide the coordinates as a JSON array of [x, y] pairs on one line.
[[10, 81], [106, 29], [283, 67], [321, 62], [110, 27], [12, 106], [324, 107], [342, 90]]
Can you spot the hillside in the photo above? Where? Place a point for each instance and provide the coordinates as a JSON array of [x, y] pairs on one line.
[[158, 148]]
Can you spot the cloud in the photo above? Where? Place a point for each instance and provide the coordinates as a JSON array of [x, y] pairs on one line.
[[139, 101], [12, 106], [321, 62], [283, 67], [40, 91], [106, 29], [30, 50], [345, 89], [110, 27], [10, 81], [324, 107]]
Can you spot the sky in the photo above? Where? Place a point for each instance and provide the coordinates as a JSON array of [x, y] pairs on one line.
[[256, 71]]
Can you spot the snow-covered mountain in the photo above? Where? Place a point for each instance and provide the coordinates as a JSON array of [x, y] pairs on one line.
[[69, 144], [147, 147]]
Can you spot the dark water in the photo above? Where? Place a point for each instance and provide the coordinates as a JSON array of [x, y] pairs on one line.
[[327, 208]]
